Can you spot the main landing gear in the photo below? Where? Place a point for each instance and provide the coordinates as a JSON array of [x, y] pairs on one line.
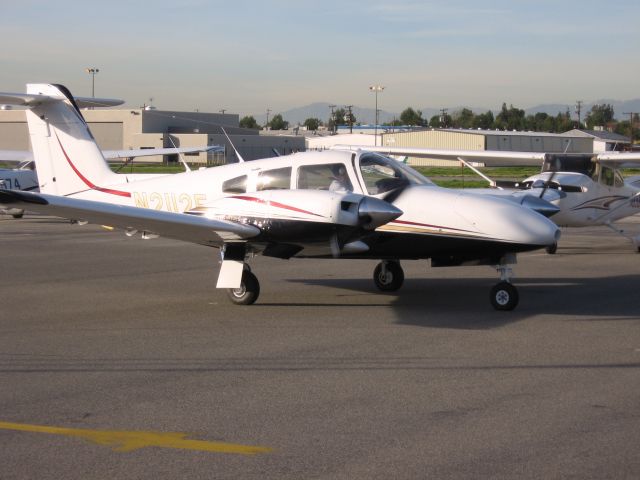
[[248, 291], [388, 276]]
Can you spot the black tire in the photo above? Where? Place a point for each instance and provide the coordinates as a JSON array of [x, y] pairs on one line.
[[392, 280], [504, 296], [18, 215], [248, 292], [552, 249]]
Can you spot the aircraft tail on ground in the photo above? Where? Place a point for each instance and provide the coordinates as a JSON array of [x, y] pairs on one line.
[[67, 157]]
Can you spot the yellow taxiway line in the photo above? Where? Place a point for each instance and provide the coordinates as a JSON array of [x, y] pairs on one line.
[[124, 441]]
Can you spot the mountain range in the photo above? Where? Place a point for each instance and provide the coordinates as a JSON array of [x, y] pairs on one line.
[[364, 115]]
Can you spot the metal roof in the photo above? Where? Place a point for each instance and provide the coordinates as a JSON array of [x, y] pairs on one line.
[[599, 134]]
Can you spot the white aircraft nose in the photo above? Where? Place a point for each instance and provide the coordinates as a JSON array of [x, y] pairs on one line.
[[507, 221]]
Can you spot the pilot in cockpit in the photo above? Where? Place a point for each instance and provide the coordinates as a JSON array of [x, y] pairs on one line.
[[341, 182]]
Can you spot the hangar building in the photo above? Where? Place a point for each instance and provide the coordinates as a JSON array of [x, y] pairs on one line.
[[135, 128], [574, 141]]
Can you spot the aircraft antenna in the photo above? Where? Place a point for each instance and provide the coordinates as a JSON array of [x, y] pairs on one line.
[[182, 160], [240, 159]]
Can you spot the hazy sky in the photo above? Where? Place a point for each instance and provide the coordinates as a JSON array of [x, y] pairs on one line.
[[246, 56]]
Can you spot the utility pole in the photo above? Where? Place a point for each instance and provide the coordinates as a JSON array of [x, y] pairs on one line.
[[631, 116], [350, 116], [333, 117], [222, 110], [578, 110], [268, 112], [443, 117]]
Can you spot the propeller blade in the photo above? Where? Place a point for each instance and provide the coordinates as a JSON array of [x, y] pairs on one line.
[[547, 184]]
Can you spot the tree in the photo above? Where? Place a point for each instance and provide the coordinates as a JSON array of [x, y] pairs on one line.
[[249, 122], [463, 119], [278, 123], [338, 119], [510, 119], [484, 121], [312, 124], [409, 116], [600, 115], [435, 121]]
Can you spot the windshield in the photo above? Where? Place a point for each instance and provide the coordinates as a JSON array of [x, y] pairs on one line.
[[382, 174]]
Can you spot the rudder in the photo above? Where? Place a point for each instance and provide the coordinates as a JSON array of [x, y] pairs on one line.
[[67, 158]]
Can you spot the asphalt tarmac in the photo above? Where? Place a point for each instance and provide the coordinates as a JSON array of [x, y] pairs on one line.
[[111, 347]]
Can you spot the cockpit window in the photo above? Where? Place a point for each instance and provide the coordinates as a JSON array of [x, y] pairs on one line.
[[607, 176], [277, 179], [382, 174]]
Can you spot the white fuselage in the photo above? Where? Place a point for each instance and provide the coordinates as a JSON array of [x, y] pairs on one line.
[[591, 202], [446, 217]]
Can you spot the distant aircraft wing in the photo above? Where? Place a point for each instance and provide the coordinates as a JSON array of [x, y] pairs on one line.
[[178, 226], [30, 100], [620, 159], [490, 158], [16, 156], [147, 152]]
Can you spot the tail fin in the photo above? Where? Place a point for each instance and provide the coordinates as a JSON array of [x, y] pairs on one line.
[[68, 160]]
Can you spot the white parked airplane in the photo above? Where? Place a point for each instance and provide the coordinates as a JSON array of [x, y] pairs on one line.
[[280, 207], [588, 189]]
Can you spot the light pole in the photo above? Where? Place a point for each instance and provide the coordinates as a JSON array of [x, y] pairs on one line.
[[92, 71], [376, 89]]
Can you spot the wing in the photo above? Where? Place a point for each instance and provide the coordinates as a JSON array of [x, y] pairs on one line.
[[179, 226], [146, 152], [620, 159], [30, 100], [490, 158], [15, 156]]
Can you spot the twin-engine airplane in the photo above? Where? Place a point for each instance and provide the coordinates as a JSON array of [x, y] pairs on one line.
[[588, 189], [347, 204]]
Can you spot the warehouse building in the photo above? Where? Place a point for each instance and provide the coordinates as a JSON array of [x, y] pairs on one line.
[[575, 141], [139, 128]]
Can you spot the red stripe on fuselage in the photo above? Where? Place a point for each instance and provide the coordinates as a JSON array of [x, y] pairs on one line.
[[275, 204], [86, 181]]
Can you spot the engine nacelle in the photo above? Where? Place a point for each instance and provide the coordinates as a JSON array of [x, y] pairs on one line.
[[315, 206]]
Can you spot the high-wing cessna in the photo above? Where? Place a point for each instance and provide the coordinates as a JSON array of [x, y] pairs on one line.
[[347, 204], [588, 189]]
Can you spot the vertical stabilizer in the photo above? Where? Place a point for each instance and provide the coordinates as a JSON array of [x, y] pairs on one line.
[[67, 158]]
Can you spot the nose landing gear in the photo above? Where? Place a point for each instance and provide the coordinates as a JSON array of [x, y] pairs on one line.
[[504, 296], [388, 276]]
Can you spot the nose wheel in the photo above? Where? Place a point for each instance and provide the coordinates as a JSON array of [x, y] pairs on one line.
[[504, 296], [388, 276]]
